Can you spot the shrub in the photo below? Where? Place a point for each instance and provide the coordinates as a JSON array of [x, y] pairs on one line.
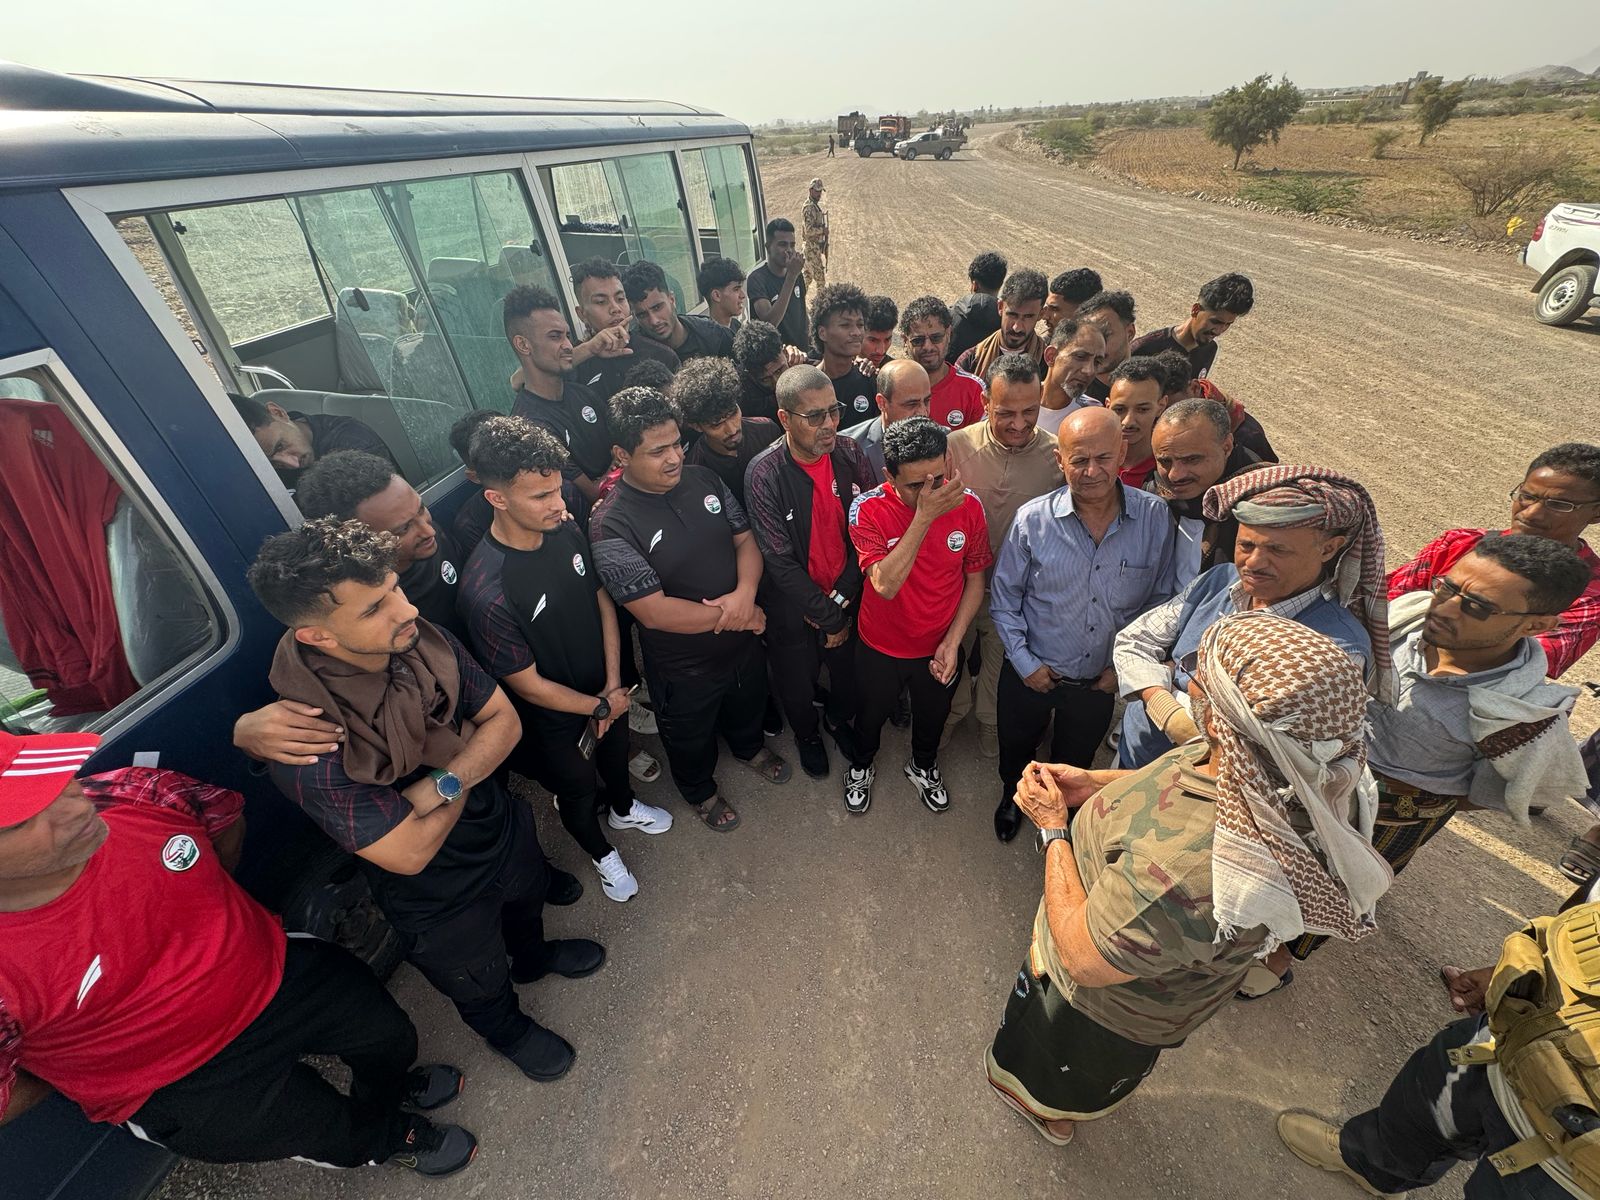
[[1511, 176], [1382, 139], [1071, 139], [1305, 193], [1436, 104]]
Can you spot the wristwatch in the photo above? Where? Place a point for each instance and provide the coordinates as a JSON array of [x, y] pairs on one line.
[[602, 710], [1046, 836], [447, 784]]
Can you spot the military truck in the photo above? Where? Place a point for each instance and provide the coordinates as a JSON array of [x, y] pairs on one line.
[[938, 143], [850, 126], [891, 129]]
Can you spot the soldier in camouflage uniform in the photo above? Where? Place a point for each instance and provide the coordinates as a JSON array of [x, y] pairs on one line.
[[814, 235], [1139, 940]]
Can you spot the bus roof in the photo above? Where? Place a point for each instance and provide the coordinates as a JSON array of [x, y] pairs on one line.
[[72, 130]]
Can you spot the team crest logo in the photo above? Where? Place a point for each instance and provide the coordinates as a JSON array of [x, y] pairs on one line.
[[954, 418], [956, 540], [577, 563], [589, 414], [862, 404], [713, 505], [180, 853], [447, 571], [836, 487], [855, 489], [797, 291]]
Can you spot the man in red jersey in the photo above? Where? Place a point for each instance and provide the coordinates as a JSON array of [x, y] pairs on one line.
[[140, 981], [923, 544], [956, 398]]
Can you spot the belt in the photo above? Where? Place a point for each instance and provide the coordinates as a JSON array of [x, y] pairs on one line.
[[1406, 802]]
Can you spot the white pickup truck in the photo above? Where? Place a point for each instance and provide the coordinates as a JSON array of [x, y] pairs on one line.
[[1565, 250]]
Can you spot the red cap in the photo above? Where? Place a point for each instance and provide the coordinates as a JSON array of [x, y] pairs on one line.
[[34, 770]]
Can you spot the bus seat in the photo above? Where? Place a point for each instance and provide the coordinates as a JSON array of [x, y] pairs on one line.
[[521, 265], [449, 270], [341, 404], [364, 359], [416, 431], [376, 310], [160, 614], [291, 400]]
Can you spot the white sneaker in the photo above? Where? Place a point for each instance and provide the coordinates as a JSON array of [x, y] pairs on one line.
[[930, 786], [858, 788], [642, 816], [642, 720], [616, 881]]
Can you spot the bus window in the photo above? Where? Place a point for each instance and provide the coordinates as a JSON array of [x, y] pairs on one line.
[[624, 210], [475, 238], [96, 603], [718, 187]]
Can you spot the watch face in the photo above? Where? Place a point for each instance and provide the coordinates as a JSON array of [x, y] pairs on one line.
[[449, 785]]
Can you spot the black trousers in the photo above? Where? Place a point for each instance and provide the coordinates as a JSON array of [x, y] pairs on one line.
[[549, 754], [797, 657], [1399, 1145], [256, 1101], [469, 956], [1083, 714], [880, 679], [692, 710]]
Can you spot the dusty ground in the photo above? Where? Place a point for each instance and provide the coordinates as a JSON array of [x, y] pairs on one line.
[[800, 1009], [1406, 188]]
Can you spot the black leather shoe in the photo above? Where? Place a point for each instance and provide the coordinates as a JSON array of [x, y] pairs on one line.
[[570, 958], [1007, 820], [813, 756], [563, 888], [542, 1054]]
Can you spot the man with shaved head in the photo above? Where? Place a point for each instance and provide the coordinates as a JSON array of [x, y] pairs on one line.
[[1076, 566], [903, 391]]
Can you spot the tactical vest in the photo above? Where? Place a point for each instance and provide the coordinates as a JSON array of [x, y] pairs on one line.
[[1543, 1004]]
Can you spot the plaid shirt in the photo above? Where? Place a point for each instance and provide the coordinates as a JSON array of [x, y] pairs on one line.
[[1563, 645]]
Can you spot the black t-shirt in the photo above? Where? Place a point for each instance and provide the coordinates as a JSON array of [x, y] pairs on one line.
[[430, 584], [702, 338], [857, 392], [1097, 390], [759, 433], [605, 376], [973, 317], [330, 433], [476, 514], [578, 421], [756, 401], [679, 544], [764, 284], [1200, 358], [355, 815], [527, 608]]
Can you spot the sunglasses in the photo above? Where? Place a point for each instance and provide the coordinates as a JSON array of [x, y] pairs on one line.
[[933, 339], [818, 418], [1471, 606], [1553, 503]]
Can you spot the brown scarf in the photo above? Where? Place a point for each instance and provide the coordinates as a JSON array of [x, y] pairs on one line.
[[394, 720], [986, 351]]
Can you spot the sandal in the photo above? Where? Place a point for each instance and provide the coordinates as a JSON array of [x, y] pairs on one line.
[[1581, 862], [1261, 981], [1043, 1130], [712, 813], [644, 768], [769, 766]]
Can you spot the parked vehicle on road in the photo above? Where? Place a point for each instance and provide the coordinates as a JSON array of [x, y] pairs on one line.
[[935, 143], [1565, 250]]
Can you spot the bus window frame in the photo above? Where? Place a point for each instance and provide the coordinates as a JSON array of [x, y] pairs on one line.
[[99, 435], [100, 206]]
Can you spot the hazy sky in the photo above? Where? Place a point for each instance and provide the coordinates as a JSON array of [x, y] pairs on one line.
[[760, 61]]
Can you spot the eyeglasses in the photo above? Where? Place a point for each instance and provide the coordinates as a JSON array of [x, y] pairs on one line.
[[1553, 503], [933, 339], [1471, 606], [817, 419]]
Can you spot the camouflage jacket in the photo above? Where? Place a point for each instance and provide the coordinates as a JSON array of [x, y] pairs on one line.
[[1143, 848], [814, 226]]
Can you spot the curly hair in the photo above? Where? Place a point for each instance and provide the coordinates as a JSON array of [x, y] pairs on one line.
[[1076, 285], [924, 308], [706, 391], [294, 573], [593, 268], [987, 270], [718, 273], [461, 432], [1177, 368], [1120, 303], [916, 439], [1228, 293], [755, 346], [648, 372], [882, 314], [642, 278], [831, 301], [335, 486], [1022, 286], [1142, 368], [636, 409], [523, 302], [505, 447], [1556, 575], [1578, 459]]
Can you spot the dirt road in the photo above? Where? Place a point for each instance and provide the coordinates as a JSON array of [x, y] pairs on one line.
[[800, 1009]]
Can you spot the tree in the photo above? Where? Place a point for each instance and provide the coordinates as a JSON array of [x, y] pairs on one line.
[[1243, 118], [1436, 104]]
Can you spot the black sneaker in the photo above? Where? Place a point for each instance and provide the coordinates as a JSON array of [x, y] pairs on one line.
[[570, 958], [542, 1055], [432, 1086], [772, 719], [563, 889], [930, 786], [435, 1150], [813, 756]]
